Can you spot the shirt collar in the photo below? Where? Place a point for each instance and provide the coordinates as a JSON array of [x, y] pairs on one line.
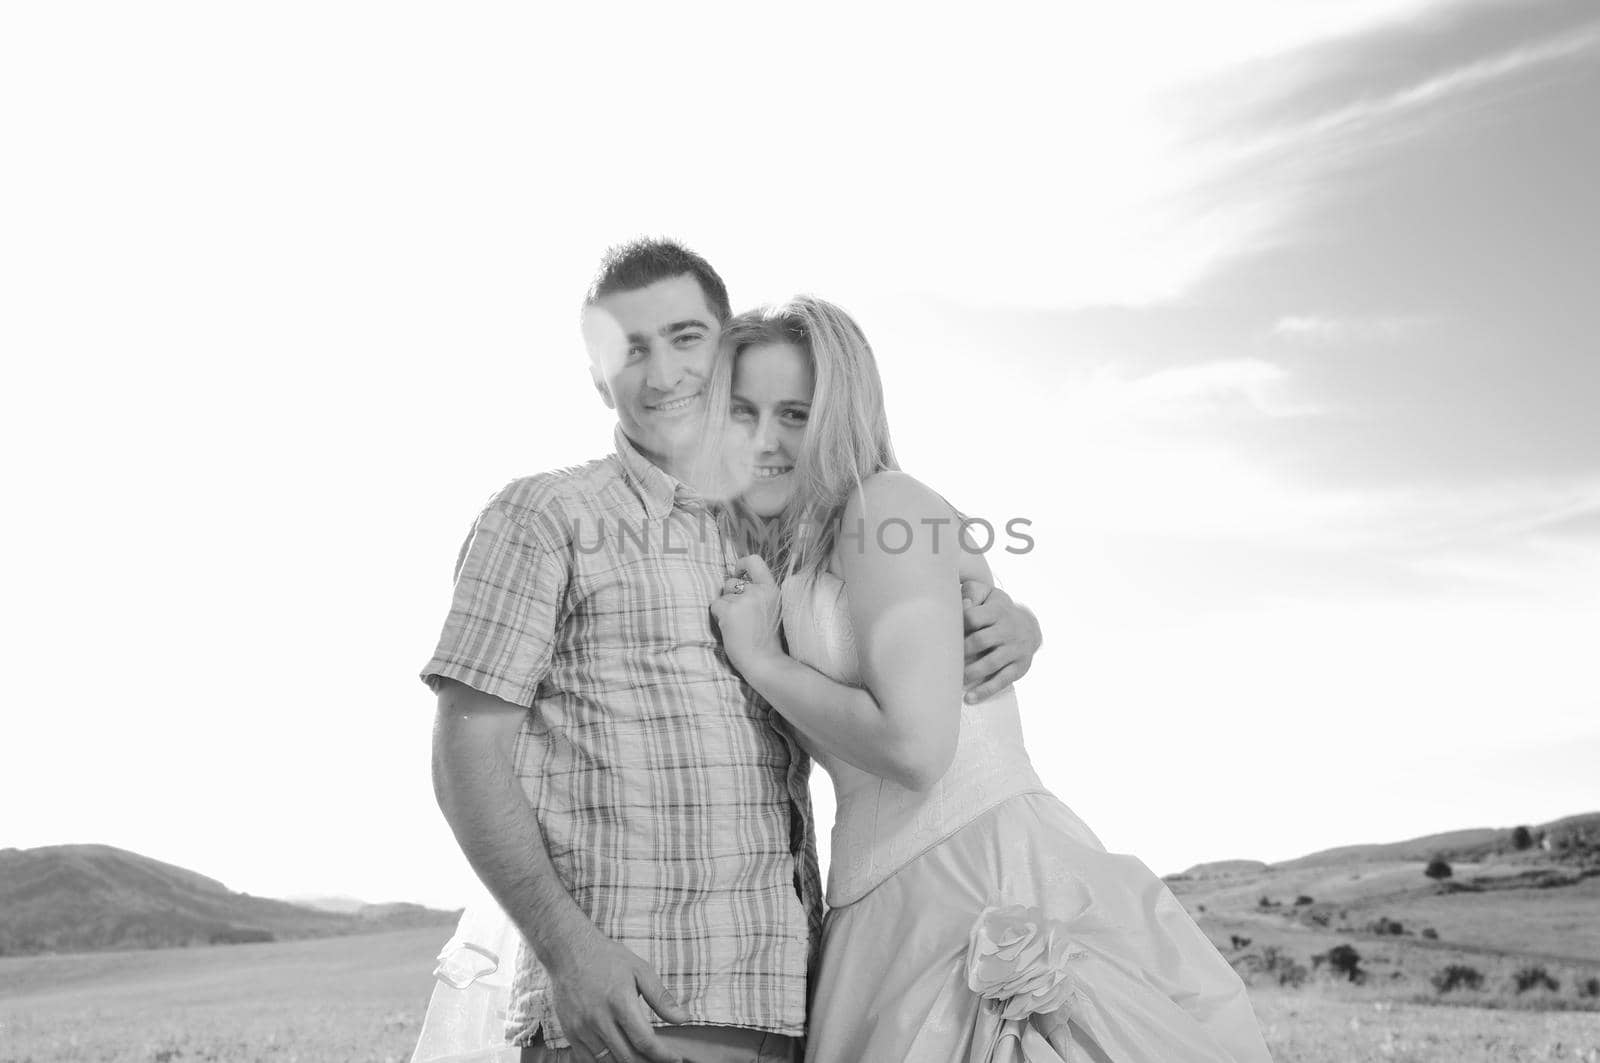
[[658, 489]]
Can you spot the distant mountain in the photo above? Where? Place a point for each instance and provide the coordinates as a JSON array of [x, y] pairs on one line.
[[81, 898], [347, 905], [1224, 868], [1574, 835], [392, 915], [1575, 839]]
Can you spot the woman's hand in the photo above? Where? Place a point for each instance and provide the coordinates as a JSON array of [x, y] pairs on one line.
[[747, 616]]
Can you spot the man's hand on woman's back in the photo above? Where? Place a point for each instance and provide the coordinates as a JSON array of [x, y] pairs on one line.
[[1001, 639]]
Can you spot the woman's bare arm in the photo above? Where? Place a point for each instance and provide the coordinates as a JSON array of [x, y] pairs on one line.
[[905, 609]]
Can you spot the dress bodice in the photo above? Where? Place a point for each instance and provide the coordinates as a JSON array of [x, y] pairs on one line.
[[879, 827]]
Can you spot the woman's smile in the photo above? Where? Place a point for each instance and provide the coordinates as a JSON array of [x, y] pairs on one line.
[[771, 404]]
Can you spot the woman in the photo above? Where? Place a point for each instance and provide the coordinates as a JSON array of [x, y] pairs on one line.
[[973, 916]]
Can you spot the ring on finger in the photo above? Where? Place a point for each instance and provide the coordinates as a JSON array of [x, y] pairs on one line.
[[738, 588]]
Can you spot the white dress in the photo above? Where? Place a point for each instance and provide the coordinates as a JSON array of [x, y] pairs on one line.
[[983, 920]]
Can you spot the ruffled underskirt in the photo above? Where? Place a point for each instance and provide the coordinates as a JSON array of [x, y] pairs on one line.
[[466, 1019]]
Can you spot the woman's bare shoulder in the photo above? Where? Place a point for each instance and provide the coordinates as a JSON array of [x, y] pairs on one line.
[[893, 493]]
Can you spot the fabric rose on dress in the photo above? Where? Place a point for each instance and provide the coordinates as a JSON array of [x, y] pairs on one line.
[[1021, 959]]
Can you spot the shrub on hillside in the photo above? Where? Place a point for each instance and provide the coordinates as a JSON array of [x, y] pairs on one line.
[[1522, 838], [1457, 976], [1438, 870], [1535, 977], [1589, 988], [1384, 925], [1430, 933], [1283, 966], [1302, 900], [1344, 960]]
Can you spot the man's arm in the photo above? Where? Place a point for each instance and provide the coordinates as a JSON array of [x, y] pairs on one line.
[[1001, 636], [1001, 639], [595, 982]]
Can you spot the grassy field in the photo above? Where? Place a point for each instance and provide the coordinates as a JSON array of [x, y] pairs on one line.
[[361, 1000], [1321, 1024], [357, 999]]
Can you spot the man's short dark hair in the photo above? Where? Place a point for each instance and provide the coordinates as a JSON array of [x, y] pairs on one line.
[[641, 263]]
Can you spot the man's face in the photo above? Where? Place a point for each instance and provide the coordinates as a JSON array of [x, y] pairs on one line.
[[650, 353]]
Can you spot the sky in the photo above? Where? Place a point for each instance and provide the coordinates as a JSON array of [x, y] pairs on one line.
[[1276, 321]]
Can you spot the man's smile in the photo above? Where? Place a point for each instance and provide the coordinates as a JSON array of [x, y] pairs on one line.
[[673, 405]]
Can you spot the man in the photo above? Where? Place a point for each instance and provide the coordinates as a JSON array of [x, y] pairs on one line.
[[639, 814]]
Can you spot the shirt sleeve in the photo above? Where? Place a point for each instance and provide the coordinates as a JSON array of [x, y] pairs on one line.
[[500, 635]]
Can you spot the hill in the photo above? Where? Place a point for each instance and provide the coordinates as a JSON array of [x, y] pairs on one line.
[[78, 898], [1515, 899], [1574, 839]]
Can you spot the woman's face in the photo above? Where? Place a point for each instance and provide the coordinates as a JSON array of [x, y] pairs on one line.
[[772, 385]]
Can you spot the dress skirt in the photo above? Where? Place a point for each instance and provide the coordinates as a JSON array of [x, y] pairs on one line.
[[1017, 938]]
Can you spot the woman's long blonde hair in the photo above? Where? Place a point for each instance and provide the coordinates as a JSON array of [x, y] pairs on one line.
[[846, 440]]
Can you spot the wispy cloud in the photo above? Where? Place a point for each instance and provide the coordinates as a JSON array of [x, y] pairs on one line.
[[1488, 517], [1321, 329], [1257, 180], [1581, 523], [1229, 386], [1465, 79]]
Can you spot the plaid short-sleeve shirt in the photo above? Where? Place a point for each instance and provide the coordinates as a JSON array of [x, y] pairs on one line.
[[673, 802]]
